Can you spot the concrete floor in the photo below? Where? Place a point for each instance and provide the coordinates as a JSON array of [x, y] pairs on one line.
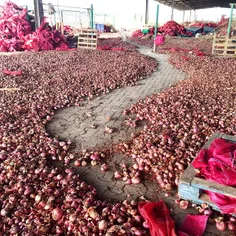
[[84, 125]]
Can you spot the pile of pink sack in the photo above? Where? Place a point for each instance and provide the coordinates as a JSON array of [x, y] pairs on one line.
[[16, 33]]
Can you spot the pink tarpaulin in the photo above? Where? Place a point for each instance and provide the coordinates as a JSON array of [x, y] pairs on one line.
[[193, 225], [161, 224], [217, 164], [160, 39], [16, 33], [158, 217]]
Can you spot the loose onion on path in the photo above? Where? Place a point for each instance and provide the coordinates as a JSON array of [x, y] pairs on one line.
[[181, 119]]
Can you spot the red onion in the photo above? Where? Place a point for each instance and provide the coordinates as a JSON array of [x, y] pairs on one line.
[[208, 212], [183, 204], [102, 225], [108, 130], [146, 225], [57, 214], [135, 180], [117, 175], [221, 225], [104, 167], [231, 226], [92, 213]]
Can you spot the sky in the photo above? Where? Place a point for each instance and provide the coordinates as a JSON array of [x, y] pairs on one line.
[[126, 13]]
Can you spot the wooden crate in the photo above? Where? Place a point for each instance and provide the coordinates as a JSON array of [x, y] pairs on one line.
[[224, 46], [87, 38], [191, 187]]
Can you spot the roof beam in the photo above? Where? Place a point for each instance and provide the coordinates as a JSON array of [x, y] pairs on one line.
[[195, 4]]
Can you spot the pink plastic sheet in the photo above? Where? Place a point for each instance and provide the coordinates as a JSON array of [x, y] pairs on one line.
[[161, 224], [13, 23], [16, 33], [158, 217], [193, 225], [8, 72], [160, 39], [218, 165]]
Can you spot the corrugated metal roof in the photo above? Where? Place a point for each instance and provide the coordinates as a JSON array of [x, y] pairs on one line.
[[195, 4]]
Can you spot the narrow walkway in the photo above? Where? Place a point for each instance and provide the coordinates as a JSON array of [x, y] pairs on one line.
[[75, 124], [85, 125]]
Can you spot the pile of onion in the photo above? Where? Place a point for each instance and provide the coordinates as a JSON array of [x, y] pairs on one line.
[[36, 197]]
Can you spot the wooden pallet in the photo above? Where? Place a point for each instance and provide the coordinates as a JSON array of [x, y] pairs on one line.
[[87, 38], [224, 46], [191, 187]]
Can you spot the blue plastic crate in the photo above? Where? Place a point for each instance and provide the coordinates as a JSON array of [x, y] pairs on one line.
[[194, 30], [99, 27], [207, 29]]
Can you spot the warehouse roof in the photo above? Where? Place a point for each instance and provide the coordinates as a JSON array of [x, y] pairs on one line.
[[195, 4]]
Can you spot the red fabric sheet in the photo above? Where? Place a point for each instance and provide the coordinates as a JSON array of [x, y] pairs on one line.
[[161, 224], [8, 72], [158, 216], [218, 165], [193, 225], [160, 39], [16, 33]]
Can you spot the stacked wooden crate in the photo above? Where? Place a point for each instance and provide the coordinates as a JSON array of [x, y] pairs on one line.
[[224, 46], [192, 188], [87, 38]]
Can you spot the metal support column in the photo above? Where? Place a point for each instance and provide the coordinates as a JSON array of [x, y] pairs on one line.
[[38, 9], [58, 10], [230, 18], [190, 16], [146, 11], [195, 15], [172, 13], [156, 27], [62, 19], [183, 15], [91, 17]]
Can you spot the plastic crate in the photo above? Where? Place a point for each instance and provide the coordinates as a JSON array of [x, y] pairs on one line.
[[100, 27], [191, 187], [194, 30], [207, 29]]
